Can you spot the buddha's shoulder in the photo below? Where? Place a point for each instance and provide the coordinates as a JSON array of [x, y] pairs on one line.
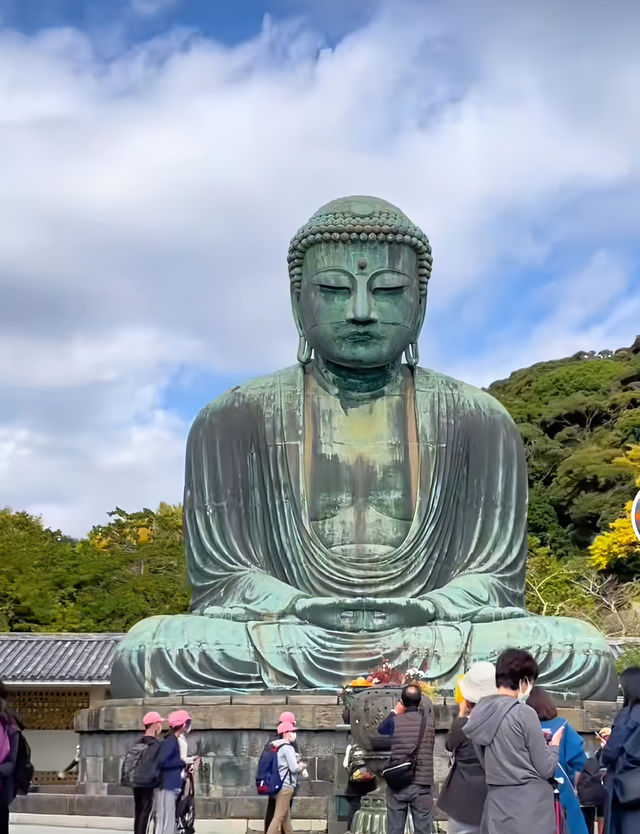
[[465, 396], [254, 393]]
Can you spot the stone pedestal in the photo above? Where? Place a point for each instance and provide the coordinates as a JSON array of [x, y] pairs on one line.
[[229, 733]]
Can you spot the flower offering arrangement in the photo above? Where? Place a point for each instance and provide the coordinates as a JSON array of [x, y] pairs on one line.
[[387, 675]]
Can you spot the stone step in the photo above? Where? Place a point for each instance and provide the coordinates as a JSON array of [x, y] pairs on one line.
[[241, 826], [208, 808]]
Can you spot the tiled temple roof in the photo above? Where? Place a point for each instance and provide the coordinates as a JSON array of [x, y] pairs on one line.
[[73, 659]]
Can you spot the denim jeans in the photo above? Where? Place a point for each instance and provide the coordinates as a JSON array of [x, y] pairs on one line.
[[415, 797]]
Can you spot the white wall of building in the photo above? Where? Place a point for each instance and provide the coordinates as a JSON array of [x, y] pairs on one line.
[[52, 749]]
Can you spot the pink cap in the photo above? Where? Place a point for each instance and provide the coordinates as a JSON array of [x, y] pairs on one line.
[[152, 718], [288, 717], [285, 727], [178, 718]]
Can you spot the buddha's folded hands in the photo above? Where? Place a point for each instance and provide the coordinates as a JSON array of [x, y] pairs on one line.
[[363, 614]]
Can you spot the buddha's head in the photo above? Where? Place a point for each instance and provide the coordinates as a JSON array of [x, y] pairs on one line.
[[359, 271]]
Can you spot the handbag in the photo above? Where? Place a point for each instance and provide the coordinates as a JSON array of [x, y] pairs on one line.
[[401, 769]]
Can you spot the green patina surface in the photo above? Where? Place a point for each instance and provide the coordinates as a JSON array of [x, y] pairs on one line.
[[354, 508]]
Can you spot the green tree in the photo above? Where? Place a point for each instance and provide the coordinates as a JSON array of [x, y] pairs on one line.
[[122, 572], [30, 555]]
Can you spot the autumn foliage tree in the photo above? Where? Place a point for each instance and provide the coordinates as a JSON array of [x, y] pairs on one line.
[[618, 549]]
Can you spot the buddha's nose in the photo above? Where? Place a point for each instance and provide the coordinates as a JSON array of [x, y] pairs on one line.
[[362, 305]]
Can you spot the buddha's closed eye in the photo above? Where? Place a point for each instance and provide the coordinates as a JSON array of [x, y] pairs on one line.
[[388, 290], [328, 288]]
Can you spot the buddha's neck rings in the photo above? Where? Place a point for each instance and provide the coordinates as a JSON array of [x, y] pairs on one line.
[[353, 387]]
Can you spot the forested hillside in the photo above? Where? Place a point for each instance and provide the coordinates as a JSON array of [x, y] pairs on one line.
[[580, 421]]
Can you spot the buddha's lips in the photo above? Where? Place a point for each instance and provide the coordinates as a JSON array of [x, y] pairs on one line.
[[358, 336]]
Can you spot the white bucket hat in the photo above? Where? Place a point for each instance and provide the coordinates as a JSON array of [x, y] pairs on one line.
[[479, 682]]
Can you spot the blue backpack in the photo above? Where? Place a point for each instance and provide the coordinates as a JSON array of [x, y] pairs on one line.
[[268, 779]]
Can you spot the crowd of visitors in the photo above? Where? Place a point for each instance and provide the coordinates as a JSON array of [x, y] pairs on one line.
[[516, 766]]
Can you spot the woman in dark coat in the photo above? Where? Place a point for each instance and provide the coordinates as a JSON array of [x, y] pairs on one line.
[[620, 819], [463, 795]]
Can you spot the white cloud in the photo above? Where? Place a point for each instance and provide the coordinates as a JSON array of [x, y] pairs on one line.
[[147, 203]]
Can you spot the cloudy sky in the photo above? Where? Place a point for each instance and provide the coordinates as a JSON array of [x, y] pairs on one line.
[[157, 155]]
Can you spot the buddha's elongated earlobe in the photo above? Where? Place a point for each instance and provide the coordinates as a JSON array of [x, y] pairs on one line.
[[411, 354], [304, 351]]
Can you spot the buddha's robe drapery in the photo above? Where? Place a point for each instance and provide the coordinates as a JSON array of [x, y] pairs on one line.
[[251, 553]]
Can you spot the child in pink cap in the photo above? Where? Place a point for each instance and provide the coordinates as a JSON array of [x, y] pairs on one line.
[[143, 797], [289, 766], [271, 804], [171, 765]]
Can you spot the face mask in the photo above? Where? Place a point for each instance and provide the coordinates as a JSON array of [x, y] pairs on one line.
[[292, 736], [524, 694]]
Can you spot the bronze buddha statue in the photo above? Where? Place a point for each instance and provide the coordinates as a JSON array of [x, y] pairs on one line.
[[354, 508]]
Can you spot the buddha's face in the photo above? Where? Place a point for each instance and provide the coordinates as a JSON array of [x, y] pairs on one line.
[[359, 303]]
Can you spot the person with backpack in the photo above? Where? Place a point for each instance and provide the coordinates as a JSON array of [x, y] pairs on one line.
[[288, 718], [287, 767], [171, 765], [409, 775], [9, 740], [140, 770], [143, 795], [464, 793]]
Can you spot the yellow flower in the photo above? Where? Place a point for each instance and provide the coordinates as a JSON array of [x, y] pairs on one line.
[[428, 689], [616, 545]]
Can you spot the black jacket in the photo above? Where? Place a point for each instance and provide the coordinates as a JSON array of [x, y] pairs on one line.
[[404, 730], [463, 794], [621, 819]]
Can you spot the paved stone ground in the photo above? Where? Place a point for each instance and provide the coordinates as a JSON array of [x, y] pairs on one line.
[[20, 828], [221, 827]]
